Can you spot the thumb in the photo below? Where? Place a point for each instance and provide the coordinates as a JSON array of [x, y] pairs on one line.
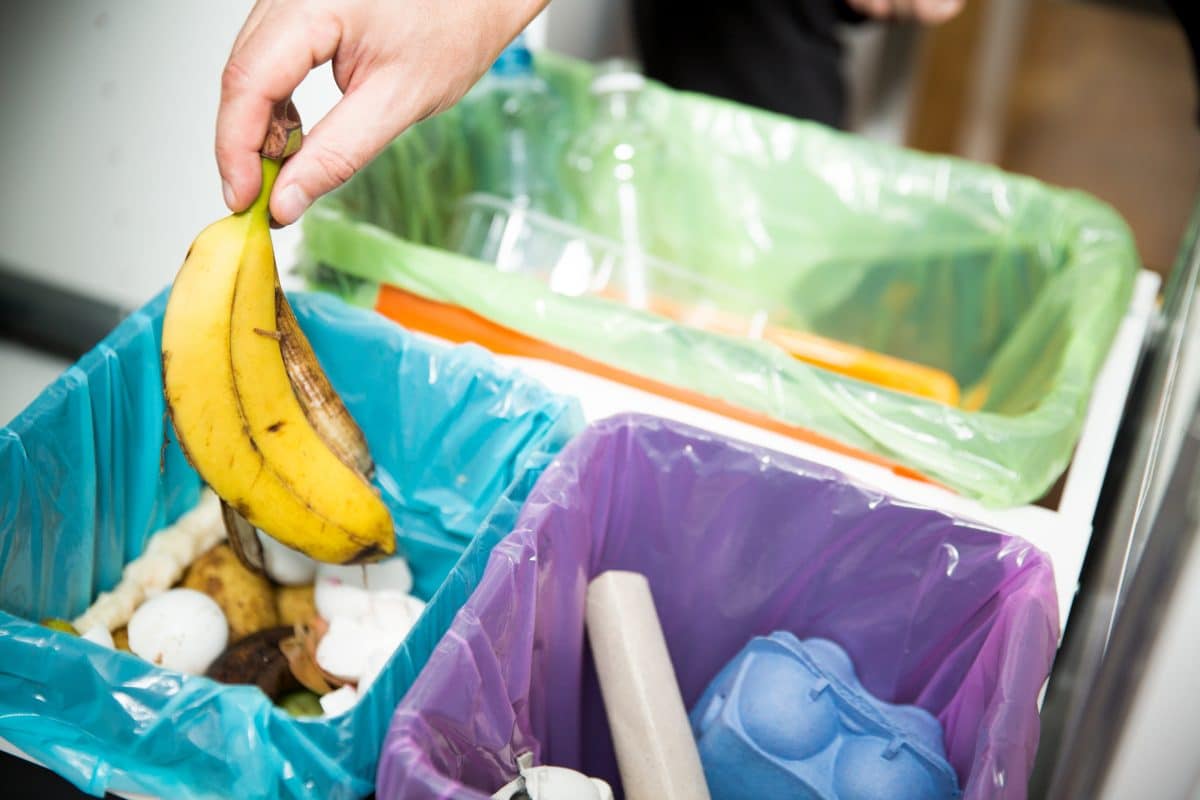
[[349, 136]]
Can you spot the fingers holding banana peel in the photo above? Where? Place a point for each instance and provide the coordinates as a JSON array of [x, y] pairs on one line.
[[397, 61], [276, 50], [341, 144]]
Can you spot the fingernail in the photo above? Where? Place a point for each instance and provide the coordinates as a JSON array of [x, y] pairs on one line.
[[227, 190], [292, 203]]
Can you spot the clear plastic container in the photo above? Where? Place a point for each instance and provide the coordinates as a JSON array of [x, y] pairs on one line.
[[576, 262], [615, 162], [525, 167], [571, 260], [514, 221]]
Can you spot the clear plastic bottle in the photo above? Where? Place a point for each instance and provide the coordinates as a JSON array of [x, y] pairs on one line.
[[521, 160], [612, 168]]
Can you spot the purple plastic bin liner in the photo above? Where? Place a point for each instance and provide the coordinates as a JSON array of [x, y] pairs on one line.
[[736, 541]]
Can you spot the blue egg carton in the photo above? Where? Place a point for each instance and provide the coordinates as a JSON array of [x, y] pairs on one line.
[[789, 718]]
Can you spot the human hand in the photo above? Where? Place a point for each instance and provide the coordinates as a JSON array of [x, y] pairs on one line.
[[929, 12], [396, 62]]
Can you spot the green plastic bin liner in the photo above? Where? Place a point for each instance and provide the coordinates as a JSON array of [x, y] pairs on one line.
[[458, 444], [1013, 287]]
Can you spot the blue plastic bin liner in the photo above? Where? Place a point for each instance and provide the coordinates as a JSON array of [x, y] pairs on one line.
[[789, 718], [88, 476]]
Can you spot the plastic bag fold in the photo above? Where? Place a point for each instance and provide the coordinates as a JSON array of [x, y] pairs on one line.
[[1013, 287], [91, 470]]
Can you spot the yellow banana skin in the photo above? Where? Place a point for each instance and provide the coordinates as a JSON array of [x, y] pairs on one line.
[[235, 412]]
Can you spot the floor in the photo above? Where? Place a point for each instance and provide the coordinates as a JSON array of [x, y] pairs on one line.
[[1080, 95], [1104, 100]]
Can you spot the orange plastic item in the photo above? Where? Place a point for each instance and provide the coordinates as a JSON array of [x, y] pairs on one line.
[[459, 325], [845, 359]]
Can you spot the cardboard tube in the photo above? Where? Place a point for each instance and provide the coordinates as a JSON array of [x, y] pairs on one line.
[[656, 753]]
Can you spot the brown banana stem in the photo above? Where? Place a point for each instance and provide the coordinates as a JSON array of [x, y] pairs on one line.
[[243, 539], [283, 131]]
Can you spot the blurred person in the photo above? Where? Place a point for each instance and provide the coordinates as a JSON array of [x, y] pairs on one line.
[[400, 61], [705, 46]]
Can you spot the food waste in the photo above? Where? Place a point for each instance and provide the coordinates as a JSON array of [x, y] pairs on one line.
[[313, 637], [283, 577], [251, 406]]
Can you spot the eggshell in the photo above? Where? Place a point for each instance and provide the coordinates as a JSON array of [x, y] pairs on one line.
[[180, 629], [391, 574], [99, 634], [344, 649], [375, 664], [339, 701], [394, 614], [284, 565], [333, 598]]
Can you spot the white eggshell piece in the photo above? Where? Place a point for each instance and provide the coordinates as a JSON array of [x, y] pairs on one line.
[[339, 701], [181, 629], [333, 598], [286, 566], [98, 634], [394, 612], [375, 664], [344, 649], [391, 574], [389, 628], [346, 575]]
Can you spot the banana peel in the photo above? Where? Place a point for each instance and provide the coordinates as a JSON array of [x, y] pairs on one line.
[[252, 409]]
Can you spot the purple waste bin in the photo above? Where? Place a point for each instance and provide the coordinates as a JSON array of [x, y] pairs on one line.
[[737, 541]]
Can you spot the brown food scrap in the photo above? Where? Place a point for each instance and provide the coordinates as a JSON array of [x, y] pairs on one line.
[[257, 660], [295, 605], [247, 599]]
